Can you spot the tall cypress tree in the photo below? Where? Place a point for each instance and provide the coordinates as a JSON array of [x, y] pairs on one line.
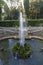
[[26, 5]]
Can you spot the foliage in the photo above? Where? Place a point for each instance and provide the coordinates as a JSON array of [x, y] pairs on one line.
[[35, 22], [3, 4], [12, 15], [13, 23], [34, 10], [0, 13], [26, 5], [22, 52], [9, 23]]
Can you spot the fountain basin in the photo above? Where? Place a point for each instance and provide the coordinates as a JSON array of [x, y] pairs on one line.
[[22, 52], [36, 45]]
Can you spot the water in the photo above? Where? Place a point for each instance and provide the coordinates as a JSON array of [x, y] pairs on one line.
[[1, 62], [35, 59], [22, 29], [22, 20], [21, 33]]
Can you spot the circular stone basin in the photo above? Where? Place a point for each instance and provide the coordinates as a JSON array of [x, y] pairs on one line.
[[22, 52]]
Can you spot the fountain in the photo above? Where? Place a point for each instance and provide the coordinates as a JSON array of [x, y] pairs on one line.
[[22, 49], [22, 22], [21, 33]]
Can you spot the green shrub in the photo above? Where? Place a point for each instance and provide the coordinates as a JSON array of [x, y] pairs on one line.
[[22, 52], [9, 23]]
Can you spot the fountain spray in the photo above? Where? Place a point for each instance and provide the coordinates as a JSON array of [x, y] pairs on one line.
[[22, 20]]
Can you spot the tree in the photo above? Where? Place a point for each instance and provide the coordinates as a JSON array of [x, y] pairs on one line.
[[11, 2], [1, 3], [26, 5], [0, 11], [14, 13], [7, 11], [35, 10]]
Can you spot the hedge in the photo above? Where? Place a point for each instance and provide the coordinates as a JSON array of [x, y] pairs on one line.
[[35, 22], [9, 23], [13, 23]]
